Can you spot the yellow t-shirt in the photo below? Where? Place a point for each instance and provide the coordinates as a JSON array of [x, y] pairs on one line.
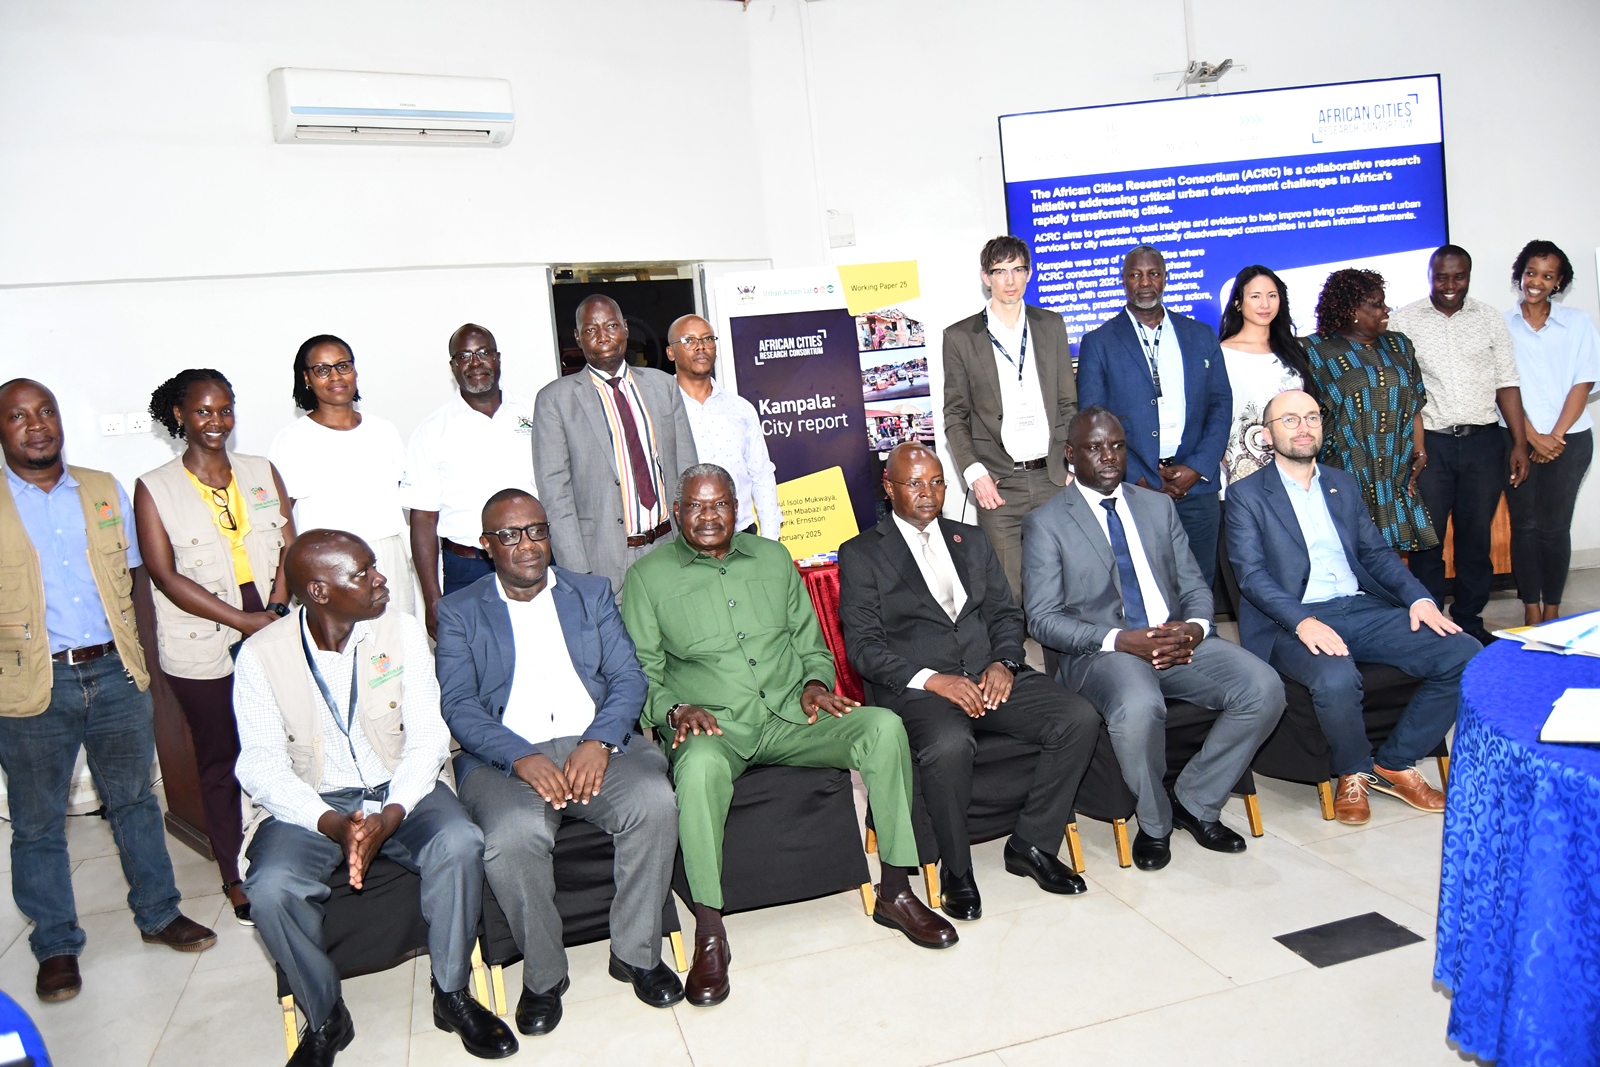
[[228, 514]]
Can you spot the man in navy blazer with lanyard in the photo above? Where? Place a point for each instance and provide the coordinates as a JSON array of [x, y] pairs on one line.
[[1162, 375]]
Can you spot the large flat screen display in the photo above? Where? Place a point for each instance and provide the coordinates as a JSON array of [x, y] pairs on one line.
[[1304, 180]]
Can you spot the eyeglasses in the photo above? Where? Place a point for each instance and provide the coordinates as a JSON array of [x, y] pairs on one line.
[[1292, 422], [695, 507], [324, 371], [512, 535], [708, 341], [999, 273], [478, 355], [610, 329], [225, 519], [918, 485]]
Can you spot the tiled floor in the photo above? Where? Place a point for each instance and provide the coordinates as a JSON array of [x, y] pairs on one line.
[[1145, 968]]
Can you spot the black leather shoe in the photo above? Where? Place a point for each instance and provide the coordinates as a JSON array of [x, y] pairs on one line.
[[318, 1047], [958, 896], [1052, 875], [482, 1032], [1211, 835], [657, 987], [538, 1013], [1151, 853]]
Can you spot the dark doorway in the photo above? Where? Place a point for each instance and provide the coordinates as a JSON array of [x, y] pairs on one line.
[[649, 304]]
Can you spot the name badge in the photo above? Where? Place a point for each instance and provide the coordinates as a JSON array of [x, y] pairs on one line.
[[1029, 422], [372, 807]]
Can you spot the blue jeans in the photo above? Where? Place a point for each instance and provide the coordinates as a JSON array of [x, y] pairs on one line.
[[96, 705], [461, 571], [1376, 631]]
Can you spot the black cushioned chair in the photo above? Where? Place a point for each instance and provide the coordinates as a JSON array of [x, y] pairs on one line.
[[791, 835]]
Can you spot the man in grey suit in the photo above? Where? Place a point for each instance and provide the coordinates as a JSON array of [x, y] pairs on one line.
[[1008, 395], [539, 683], [1112, 587], [609, 444]]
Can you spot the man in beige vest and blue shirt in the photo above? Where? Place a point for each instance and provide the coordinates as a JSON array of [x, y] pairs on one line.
[[341, 748], [72, 673]]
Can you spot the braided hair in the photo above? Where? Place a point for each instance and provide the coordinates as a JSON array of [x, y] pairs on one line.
[[170, 393], [1344, 291], [304, 398]]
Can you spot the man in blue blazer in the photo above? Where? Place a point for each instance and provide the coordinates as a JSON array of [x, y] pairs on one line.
[[1322, 591], [539, 683], [1163, 376]]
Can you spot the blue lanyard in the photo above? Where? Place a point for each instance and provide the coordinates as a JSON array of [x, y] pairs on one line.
[[327, 696], [1022, 357]]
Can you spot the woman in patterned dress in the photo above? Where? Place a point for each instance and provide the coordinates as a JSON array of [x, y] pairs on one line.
[[1372, 396]]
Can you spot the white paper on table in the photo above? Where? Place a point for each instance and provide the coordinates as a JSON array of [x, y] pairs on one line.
[[1575, 718], [1574, 634]]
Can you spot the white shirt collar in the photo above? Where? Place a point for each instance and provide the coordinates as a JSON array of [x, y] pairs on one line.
[[1094, 496], [549, 584], [913, 534]]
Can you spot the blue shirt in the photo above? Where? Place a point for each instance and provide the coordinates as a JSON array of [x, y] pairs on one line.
[[73, 612], [1552, 360], [1331, 576]]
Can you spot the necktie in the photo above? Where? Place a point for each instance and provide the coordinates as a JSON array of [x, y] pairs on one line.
[[1132, 598], [642, 480], [942, 590]]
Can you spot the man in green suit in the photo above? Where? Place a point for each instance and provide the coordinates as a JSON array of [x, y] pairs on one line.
[[739, 676]]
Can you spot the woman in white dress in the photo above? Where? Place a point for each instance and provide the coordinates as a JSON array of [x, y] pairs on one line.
[[1264, 359], [341, 467]]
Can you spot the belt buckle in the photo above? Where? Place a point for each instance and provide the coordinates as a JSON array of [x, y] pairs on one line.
[[74, 662]]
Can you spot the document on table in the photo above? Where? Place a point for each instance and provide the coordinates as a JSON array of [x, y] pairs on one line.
[[1578, 635], [1575, 719]]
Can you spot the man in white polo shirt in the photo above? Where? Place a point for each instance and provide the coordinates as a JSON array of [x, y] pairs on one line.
[[479, 442]]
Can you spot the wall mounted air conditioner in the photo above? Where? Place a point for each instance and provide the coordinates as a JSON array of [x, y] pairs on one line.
[[363, 107]]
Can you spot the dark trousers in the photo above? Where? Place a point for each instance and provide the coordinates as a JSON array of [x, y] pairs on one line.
[[1463, 480], [1377, 632], [1201, 516], [944, 742], [94, 705], [1022, 491], [1541, 520], [462, 571]]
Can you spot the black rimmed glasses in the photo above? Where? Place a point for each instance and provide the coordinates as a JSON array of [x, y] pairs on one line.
[[512, 535], [324, 371], [219, 497], [476, 355]]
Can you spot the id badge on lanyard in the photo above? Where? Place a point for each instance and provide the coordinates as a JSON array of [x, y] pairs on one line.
[[1022, 356], [371, 807]]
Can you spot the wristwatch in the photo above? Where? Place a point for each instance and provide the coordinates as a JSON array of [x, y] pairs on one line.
[[673, 711], [280, 610], [1011, 665]]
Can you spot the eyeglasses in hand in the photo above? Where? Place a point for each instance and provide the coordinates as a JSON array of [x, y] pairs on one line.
[[512, 535]]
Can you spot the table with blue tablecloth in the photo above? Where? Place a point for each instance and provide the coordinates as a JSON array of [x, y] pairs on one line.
[[1519, 890]]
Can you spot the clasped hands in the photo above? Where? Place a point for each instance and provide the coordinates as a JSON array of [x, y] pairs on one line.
[[360, 836], [1176, 480], [1168, 645], [992, 689], [578, 781]]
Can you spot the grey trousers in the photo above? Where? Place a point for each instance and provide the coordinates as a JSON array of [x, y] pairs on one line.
[[1022, 491], [1132, 697], [286, 886], [635, 805]]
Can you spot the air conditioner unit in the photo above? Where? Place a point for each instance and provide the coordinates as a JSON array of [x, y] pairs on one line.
[[363, 107]]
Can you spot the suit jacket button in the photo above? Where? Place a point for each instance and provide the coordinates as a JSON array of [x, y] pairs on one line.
[[763, 694], [752, 663], [619, 522]]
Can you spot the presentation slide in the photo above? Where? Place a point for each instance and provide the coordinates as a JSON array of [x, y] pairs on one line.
[[1304, 181]]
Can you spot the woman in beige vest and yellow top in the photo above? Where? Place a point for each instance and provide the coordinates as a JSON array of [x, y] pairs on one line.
[[213, 525]]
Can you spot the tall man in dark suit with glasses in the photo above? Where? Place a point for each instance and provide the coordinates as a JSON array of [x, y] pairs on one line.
[[1008, 394], [930, 623]]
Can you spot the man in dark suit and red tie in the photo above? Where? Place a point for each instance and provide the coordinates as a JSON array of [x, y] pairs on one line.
[[930, 623], [1322, 591]]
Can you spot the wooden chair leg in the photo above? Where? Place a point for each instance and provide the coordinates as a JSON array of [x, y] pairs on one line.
[[1252, 812], [868, 900], [1325, 795], [1119, 830], [497, 985], [678, 958], [291, 1032], [480, 977], [930, 882], [1444, 772], [1074, 848], [872, 841]]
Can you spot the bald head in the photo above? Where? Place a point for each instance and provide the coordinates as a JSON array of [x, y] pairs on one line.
[[1289, 399], [907, 454], [335, 576], [30, 431], [473, 333], [602, 333], [597, 300], [692, 347], [913, 480]]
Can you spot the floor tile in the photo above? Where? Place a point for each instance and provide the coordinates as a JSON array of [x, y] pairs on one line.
[[987, 1059], [232, 1007], [1401, 858], [602, 1031], [381, 1007], [1291, 811]]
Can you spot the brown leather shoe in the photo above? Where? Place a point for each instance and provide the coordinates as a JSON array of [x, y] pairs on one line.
[[914, 919], [1410, 787], [708, 977], [58, 979], [183, 934], [1350, 801]]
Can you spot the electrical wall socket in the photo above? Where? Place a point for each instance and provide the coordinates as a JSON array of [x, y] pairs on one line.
[[113, 425], [138, 422]]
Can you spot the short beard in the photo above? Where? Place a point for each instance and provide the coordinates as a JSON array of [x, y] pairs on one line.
[[494, 383], [43, 463], [1297, 457], [1146, 307]]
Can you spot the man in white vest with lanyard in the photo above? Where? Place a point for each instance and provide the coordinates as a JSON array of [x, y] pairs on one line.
[[341, 747], [72, 673]]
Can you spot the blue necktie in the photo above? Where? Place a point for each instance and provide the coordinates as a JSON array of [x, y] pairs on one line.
[[1132, 598]]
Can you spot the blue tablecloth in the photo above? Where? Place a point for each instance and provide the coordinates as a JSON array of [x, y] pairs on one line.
[[1519, 893]]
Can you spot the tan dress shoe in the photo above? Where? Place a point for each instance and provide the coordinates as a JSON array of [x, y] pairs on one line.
[[1410, 787], [1350, 801], [58, 978]]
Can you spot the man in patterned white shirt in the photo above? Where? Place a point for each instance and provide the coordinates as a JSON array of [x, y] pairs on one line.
[[727, 430], [341, 746], [1464, 351]]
